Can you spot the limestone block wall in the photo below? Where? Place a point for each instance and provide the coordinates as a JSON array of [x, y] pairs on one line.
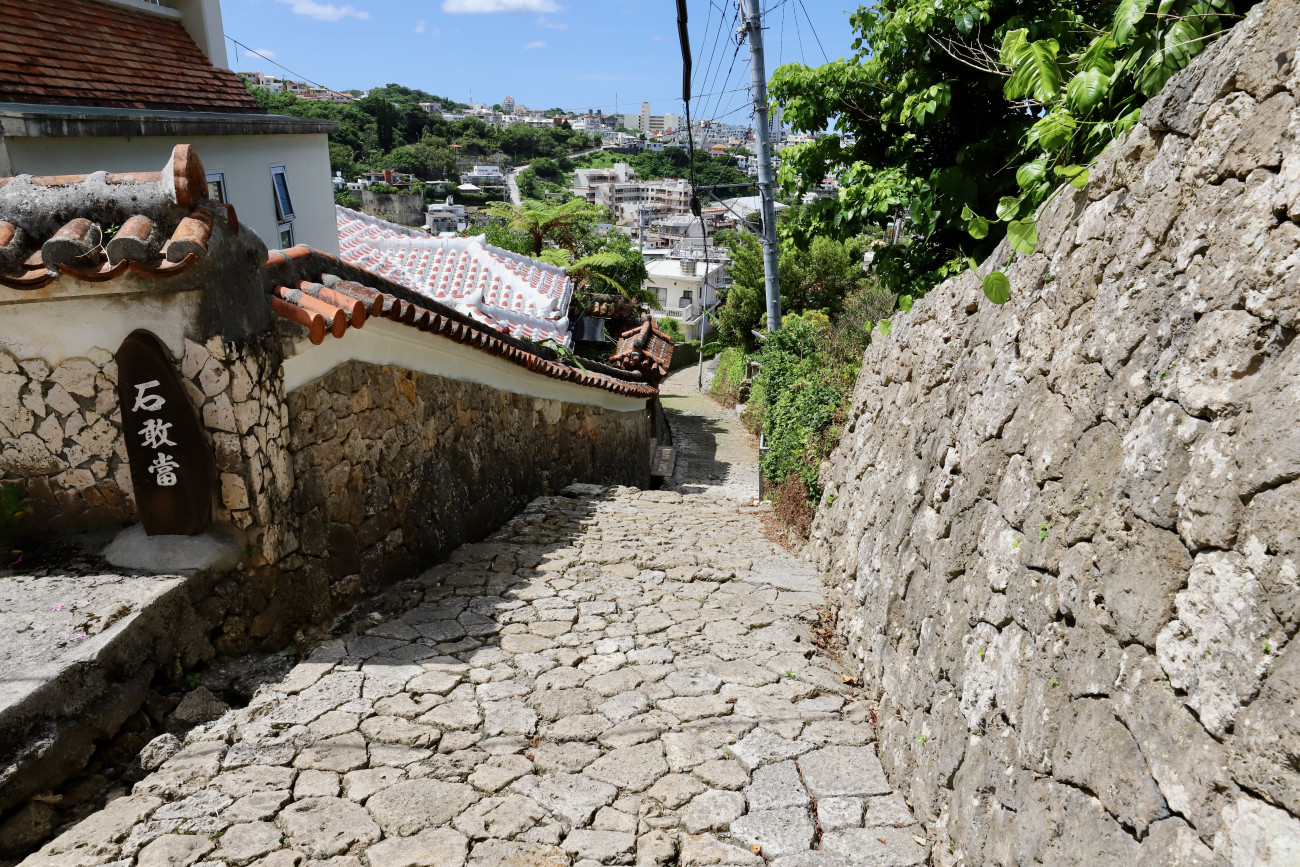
[[61, 434], [394, 467], [1062, 533]]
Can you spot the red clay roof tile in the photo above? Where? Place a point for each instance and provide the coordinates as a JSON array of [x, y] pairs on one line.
[[81, 52]]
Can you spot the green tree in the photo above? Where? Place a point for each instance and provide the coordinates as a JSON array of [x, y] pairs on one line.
[[541, 223], [546, 168], [387, 118], [966, 115], [341, 160], [745, 304]]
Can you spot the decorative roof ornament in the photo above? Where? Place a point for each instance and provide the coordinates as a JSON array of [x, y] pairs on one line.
[[646, 350]]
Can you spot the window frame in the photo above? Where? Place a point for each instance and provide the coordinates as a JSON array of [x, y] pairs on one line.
[[220, 179], [283, 208], [282, 227]]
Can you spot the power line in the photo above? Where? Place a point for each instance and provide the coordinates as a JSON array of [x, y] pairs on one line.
[[803, 58], [281, 65], [715, 83], [718, 102], [813, 28]]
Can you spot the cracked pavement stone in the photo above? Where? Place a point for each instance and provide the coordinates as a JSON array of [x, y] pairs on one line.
[[614, 677]]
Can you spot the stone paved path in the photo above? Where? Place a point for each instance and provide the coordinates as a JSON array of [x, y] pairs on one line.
[[615, 677]]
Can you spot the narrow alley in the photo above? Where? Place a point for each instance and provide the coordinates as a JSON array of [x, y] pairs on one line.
[[615, 677]]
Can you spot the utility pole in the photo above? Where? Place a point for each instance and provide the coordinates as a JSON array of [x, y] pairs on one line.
[[766, 181]]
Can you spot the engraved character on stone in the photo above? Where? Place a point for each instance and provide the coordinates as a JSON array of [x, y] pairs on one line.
[[155, 433], [148, 402], [165, 469]]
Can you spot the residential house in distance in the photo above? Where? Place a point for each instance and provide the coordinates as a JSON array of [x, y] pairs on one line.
[[630, 200], [485, 177], [508, 105], [587, 181], [686, 288], [109, 85], [442, 218]]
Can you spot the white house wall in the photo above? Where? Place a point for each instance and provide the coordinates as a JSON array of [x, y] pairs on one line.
[[382, 342], [245, 160], [66, 324]]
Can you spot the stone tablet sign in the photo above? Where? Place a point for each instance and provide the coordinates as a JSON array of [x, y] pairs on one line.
[[172, 466]]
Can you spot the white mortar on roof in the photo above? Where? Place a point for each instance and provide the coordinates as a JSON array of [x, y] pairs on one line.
[[382, 342], [523, 297]]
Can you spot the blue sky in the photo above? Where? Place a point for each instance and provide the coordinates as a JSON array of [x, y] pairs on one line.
[[576, 54]]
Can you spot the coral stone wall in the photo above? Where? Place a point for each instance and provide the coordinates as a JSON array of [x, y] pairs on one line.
[[393, 467], [61, 434], [1062, 533]]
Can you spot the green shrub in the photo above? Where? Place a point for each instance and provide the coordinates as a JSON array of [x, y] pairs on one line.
[[731, 372], [13, 505], [672, 328]]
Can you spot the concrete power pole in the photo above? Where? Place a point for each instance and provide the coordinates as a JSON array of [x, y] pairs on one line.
[[766, 180]]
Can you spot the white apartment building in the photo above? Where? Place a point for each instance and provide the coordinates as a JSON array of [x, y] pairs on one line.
[[629, 200], [586, 181], [485, 176], [686, 288], [648, 123]]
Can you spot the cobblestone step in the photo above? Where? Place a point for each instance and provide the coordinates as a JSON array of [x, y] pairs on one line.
[[615, 677]]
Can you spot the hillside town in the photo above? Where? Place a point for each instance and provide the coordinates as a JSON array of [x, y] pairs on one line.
[[881, 453]]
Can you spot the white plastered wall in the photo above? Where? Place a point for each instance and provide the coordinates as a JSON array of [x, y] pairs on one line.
[[69, 318], [245, 160], [382, 342]]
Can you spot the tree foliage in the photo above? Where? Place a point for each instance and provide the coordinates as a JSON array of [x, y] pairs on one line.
[[568, 235], [818, 278], [961, 117], [389, 130]]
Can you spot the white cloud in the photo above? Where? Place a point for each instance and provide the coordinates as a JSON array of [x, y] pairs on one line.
[[419, 26], [656, 38], [325, 11], [543, 21], [538, 44], [470, 7], [265, 52]]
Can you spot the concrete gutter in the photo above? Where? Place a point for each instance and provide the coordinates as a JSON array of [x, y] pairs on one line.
[[20, 120]]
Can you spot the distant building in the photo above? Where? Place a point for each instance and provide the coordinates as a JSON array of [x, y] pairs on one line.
[[508, 105], [485, 176], [586, 181], [686, 288], [648, 123], [630, 200]]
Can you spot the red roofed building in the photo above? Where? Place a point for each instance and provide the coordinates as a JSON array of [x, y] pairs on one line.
[[91, 85]]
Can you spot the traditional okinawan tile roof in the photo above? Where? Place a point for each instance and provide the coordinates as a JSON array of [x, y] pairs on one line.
[[96, 227], [327, 297], [82, 52], [523, 297], [645, 349]]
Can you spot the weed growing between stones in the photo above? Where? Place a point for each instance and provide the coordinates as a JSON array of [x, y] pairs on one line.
[[13, 505]]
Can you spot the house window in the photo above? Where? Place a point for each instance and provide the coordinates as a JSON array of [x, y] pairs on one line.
[[217, 187], [286, 236], [687, 298], [283, 204]]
